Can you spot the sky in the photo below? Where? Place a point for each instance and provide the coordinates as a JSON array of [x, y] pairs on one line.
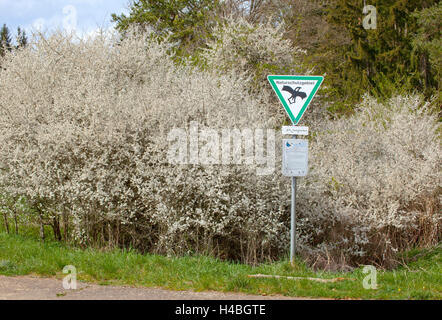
[[83, 16]]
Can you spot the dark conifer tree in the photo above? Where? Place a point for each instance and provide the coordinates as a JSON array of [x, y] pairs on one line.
[[381, 56], [5, 40], [22, 39]]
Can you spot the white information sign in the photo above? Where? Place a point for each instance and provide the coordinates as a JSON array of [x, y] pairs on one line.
[[294, 157], [295, 130]]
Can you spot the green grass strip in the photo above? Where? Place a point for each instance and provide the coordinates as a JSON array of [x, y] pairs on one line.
[[22, 255]]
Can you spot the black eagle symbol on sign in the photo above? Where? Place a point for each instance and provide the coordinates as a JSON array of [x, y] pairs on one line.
[[295, 93]]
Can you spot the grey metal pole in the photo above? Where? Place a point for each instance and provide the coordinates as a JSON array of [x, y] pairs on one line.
[[293, 223]]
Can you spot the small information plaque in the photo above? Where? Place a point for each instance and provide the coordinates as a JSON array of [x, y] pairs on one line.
[[294, 157], [295, 130]]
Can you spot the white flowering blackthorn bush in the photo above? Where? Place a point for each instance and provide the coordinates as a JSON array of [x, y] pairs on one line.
[[254, 50], [83, 139], [375, 182], [84, 128]]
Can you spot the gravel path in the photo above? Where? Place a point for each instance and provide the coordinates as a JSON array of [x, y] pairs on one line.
[[34, 288]]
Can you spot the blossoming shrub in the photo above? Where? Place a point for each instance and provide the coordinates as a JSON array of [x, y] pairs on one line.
[[84, 127], [375, 183], [84, 130], [252, 50]]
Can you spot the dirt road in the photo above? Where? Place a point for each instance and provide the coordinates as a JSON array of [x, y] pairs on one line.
[[34, 288]]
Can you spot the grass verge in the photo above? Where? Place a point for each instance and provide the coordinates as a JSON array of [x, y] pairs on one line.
[[420, 277]]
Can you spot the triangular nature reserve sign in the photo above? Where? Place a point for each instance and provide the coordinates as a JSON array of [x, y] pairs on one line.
[[295, 93]]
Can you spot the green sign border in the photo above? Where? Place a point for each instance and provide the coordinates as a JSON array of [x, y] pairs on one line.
[[294, 119]]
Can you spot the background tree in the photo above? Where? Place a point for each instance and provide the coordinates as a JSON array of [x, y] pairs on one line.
[[186, 21], [22, 39], [380, 59], [427, 46], [5, 40], [252, 10]]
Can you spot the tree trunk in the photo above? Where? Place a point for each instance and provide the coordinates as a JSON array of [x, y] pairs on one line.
[[42, 227], [109, 230], [117, 240], [5, 217], [56, 228], [16, 221], [65, 225]]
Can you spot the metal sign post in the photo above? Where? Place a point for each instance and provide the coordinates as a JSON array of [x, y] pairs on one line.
[[293, 223]]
